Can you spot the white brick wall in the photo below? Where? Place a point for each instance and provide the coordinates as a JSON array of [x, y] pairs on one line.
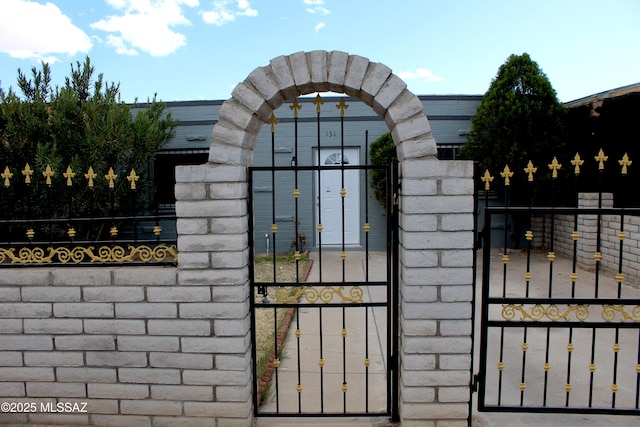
[[123, 358]]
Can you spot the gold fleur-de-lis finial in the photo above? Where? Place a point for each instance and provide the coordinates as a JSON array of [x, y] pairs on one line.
[[506, 174], [27, 172], [530, 170], [601, 158], [295, 107], [577, 162], [111, 177], [318, 101], [7, 175], [273, 122], [342, 106], [554, 166], [487, 179], [625, 162], [48, 173], [69, 174], [90, 175], [133, 178]]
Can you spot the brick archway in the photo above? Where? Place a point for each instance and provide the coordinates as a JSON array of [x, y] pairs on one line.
[[287, 77], [435, 233]]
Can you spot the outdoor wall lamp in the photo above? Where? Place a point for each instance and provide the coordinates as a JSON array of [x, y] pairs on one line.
[[293, 162]]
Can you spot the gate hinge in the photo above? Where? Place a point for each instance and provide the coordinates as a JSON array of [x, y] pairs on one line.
[[474, 383]]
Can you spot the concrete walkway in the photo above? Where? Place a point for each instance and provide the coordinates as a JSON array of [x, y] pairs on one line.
[[562, 268], [332, 353], [366, 338]]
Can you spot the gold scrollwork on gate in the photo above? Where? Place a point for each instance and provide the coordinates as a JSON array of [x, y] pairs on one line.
[[609, 313], [551, 312], [313, 295], [79, 254]]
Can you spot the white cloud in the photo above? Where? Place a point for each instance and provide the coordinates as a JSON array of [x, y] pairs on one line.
[[225, 11], [319, 26], [245, 8], [39, 31], [119, 45], [145, 25], [419, 74], [317, 6]]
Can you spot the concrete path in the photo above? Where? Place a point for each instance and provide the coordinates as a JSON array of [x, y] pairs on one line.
[[365, 339], [536, 339]]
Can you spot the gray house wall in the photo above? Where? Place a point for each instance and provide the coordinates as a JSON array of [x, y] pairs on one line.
[[449, 116]]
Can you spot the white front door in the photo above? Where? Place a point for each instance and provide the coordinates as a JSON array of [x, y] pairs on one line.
[[329, 200]]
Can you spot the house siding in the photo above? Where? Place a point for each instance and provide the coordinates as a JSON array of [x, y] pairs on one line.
[[449, 117]]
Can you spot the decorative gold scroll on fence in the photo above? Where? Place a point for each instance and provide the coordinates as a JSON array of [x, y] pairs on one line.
[[539, 312], [313, 295], [80, 254], [580, 312], [610, 312]]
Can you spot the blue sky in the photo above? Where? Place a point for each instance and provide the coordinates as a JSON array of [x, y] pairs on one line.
[[200, 49]]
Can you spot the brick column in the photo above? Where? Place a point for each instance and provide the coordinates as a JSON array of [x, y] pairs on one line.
[[212, 242], [436, 253]]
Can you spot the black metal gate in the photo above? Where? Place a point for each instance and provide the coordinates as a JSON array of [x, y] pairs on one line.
[[555, 337], [324, 335]]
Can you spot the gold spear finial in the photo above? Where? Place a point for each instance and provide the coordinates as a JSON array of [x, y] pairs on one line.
[[27, 172], [487, 179], [295, 107], [273, 122], [90, 175], [554, 166], [506, 174], [7, 175], [625, 162], [342, 106], [601, 158], [577, 162], [69, 174], [530, 170], [133, 178], [318, 101], [111, 177], [48, 173]]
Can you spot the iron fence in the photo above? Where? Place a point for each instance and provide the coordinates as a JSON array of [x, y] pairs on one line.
[[92, 226], [559, 342]]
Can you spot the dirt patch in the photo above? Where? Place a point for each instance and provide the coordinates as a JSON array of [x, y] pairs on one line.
[[272, 324]]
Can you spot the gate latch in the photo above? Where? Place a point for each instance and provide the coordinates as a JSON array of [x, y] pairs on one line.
[[474, 383]]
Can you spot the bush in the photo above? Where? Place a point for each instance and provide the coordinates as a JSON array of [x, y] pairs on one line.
[[382, 152], [81, 125]]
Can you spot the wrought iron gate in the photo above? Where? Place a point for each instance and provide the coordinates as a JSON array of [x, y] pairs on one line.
[[554, 337], [327, 344]]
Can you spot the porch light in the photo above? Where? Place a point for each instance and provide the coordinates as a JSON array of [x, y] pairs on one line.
[[293, 161]]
